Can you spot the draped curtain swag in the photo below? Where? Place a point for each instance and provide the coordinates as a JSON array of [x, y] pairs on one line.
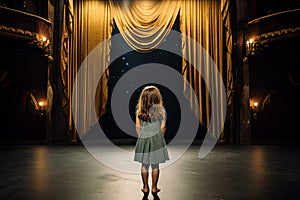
[[144, 25]]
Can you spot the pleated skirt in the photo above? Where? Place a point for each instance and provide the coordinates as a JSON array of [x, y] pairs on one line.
[[151, 150]]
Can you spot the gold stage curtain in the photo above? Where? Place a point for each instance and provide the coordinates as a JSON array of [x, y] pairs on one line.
[[202, 21], [92, 25], [144, 24]]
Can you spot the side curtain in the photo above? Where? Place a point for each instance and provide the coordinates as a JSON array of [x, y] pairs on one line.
[[92, 25], [65, 67], [226, 14], [202, 22]]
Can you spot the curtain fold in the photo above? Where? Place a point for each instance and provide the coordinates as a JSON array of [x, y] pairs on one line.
[[202, 22], [144, 24], [92, 25]]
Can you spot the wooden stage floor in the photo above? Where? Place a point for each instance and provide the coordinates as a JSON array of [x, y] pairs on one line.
[[229, 172]]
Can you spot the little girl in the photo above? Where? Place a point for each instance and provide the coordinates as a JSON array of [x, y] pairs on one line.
[[150, 147]]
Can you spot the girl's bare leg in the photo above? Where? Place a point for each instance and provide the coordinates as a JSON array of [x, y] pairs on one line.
[[155, 176], [145, 174]]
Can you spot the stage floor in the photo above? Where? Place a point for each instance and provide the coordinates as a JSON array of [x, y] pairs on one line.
[[229, 172]]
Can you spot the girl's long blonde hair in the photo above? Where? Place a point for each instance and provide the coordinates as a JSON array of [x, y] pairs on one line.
[[150, 104]]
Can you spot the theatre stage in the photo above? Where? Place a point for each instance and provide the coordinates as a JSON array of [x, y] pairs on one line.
[[70, 172]]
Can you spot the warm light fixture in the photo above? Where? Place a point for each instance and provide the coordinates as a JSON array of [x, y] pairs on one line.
[[254, 106], [42, 107], [249, 43], [41, 104], [254, 103], [44, 39]]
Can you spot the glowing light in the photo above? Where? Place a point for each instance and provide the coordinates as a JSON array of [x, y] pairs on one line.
[[254, 103], [249, 42], [44, 39], [41, 103]]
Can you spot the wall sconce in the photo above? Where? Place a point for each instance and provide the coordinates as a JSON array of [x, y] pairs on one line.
[[44, 39], [249, 43], [258, 104], [254, 106], [254, 103], [42, 107], [253, 46]]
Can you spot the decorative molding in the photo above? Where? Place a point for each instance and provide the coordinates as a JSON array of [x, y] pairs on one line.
[[43, 45], [271, 16], [17, 31], [35, 40], [263, 40]]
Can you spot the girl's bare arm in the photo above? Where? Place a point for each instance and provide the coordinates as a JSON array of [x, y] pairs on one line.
[[137, 125], [163, 127]]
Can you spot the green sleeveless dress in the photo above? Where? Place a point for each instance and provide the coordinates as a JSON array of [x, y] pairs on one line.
[[151, 146]]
